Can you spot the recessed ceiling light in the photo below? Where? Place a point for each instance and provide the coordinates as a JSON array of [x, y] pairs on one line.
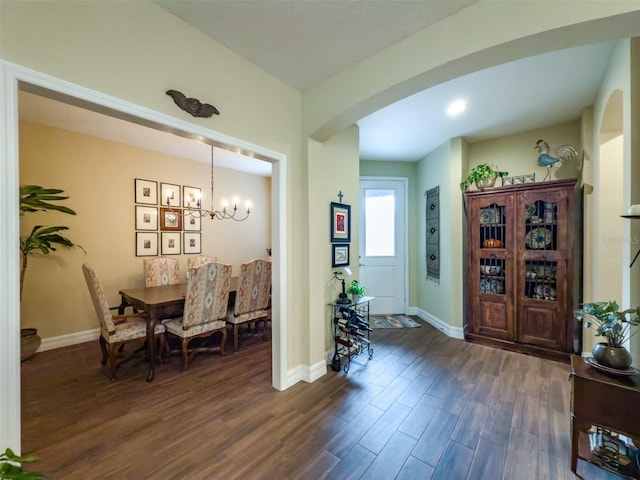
[[457, 107]]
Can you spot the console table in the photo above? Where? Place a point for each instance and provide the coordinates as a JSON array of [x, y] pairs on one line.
[[605, 401]]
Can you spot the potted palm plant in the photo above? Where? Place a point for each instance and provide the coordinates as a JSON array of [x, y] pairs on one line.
[[616, 326], [483, 175], [42, 240]]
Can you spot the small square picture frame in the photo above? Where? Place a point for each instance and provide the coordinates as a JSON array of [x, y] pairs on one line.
[[146, 244], [191, 220], [146, 191], [170, 219], [171, 192], [192, 243], [339, 254], [340, 223], [191, 197], [146, 218], [171, 243]]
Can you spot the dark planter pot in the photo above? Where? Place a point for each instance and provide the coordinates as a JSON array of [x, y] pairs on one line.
[[29, 343], [612, 357]]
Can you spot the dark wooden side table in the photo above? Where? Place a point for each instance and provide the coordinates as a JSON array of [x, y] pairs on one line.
[[607, 401]]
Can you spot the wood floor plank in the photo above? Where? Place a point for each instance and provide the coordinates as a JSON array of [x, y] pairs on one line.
[[378, 435], [350, 435], [414, 469], [488, 461], [354, 464], [434, 439], [391, 458], [424, 405], [470, 424], [522, 456], [455, 462]]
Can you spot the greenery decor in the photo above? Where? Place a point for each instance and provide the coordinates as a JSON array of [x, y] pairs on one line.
[[609, 322], [356, 288], [482, 172], [43, 239], [10, 467]]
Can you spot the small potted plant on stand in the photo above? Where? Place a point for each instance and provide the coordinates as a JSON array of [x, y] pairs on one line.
[[357, 290], [613, 324], [483, 175]]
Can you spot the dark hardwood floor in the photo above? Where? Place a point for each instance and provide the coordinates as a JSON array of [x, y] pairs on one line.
[[425, 406]]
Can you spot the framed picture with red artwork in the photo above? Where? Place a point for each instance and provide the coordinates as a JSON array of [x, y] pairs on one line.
[[340, 223]]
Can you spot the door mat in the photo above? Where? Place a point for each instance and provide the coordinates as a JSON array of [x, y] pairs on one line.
[[392, 321]]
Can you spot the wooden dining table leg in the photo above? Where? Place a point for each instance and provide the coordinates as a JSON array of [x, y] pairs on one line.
[[152, 320]]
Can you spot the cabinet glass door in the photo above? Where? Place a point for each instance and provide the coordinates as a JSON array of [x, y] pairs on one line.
[[492, 275], [541, 226], [540, 280], [492, 224]]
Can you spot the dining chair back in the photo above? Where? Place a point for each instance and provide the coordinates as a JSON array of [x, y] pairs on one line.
[[161, 271], [205, 309], [253, 297], [115, 330], [199, 260]]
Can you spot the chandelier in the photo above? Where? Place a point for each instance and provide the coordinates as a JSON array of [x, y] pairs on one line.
[[198, 212]]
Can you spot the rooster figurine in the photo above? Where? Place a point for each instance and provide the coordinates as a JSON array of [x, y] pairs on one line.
[[564, 153]]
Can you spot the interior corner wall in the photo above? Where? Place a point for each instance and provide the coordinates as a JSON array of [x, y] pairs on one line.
[[632, 174], [407, 170], [333, 168], [442, 300], [597, 209]]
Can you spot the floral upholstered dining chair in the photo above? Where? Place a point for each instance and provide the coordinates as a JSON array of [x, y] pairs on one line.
[[116, 330], [200, 260], [205, 309], [161, 271], [253, 297]]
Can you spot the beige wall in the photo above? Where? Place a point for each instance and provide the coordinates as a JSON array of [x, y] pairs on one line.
[[516, 153], [615, 189], [333, 167], [98, 176], [434, 298]]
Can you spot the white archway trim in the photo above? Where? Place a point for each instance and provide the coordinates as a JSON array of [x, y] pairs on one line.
[[10, 76]]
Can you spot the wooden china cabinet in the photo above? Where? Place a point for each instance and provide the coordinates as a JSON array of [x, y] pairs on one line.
[[524, 263]]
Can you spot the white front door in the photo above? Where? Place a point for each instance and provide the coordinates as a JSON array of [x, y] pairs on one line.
[[383, 237]]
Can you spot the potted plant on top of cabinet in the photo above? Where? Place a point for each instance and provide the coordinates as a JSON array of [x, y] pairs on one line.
[[483, 175]]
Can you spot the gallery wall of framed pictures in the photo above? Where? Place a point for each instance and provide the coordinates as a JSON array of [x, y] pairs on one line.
[[163, 223]]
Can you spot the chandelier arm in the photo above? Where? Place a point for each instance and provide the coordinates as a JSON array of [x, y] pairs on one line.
[[214, 214]]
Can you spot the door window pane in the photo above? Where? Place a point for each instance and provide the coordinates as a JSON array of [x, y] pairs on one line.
[[379, 222]]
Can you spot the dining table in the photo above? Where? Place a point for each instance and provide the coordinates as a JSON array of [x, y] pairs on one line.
[[160, 302]]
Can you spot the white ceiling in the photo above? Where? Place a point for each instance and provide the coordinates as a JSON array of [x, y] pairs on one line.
[[305, 42]]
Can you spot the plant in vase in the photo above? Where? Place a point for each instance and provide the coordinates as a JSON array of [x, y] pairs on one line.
[[41, 240], [356, 290], [615, 325], [483, 175]]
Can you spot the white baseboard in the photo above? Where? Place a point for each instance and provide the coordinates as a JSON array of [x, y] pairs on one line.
[[448, 330], [306, 373], [68, 340]]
